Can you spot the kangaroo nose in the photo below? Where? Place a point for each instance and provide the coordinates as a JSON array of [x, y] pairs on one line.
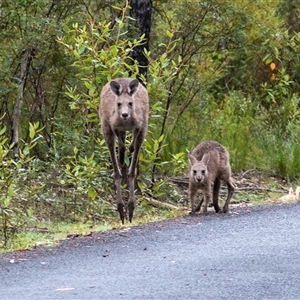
[[124, 115]]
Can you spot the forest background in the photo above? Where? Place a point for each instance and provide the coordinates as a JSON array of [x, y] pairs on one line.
[[227, 70]]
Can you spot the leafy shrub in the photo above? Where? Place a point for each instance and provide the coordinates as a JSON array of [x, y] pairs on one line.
[[15, 197], [100, 56]]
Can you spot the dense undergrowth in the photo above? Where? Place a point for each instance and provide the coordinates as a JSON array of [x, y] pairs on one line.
[[78, 189], [210, 76]]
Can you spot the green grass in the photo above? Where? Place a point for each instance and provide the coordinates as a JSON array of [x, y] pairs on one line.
[[48, 234]]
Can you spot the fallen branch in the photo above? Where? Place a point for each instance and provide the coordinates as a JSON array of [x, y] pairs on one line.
[[157, 203], [185, 181], [259, 189]]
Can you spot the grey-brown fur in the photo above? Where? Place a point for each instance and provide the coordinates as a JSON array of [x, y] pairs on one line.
[[124, 106], [209, 163]]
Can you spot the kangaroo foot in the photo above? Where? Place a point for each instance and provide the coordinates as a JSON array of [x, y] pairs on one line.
[[121, 212], [130, 210], [192, 213], [218, 210], [198, 207], [225, 210]]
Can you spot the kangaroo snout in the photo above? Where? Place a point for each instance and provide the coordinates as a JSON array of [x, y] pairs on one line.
[[199, 179], [125, 109]]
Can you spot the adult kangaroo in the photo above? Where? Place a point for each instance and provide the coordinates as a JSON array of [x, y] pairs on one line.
[[124, 106], [209, 163]]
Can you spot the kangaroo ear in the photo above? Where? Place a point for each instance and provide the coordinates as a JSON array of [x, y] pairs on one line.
[[297, 191], [116, 88], [205, 158], [133, 85], [192, 159], [291, 191]]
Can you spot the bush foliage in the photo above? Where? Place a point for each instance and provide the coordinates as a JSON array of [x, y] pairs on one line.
[[228, 71]]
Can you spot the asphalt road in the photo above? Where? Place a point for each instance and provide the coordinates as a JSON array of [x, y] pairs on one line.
[[250, 253]]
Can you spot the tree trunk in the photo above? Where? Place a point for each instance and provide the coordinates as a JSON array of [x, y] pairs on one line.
[[141, 12], [24, 70]]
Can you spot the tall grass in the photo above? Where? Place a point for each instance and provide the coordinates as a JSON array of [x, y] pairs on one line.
[[280, 153]]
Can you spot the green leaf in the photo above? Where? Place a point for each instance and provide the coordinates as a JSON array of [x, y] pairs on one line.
[[114, 50], [31, 131], [75, 150], [127, 162], [92, 193], [76, 54], [26, 150], [92, 90], [116, 7], [161, 138], [81, 49], [169, 34], [2, 130], [118, 20]]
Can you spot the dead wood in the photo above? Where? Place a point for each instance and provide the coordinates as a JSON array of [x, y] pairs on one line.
[[242, 184], [161, 204]]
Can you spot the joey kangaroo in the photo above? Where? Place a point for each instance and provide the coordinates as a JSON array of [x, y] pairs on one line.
[[124, 106], [209, 163]]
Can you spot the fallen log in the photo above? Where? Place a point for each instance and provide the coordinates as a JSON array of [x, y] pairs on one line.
[[161, 204]]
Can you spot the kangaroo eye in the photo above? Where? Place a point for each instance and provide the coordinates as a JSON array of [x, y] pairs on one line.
[[195, 172], [119, 104], [203, 172], [130, 104]]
